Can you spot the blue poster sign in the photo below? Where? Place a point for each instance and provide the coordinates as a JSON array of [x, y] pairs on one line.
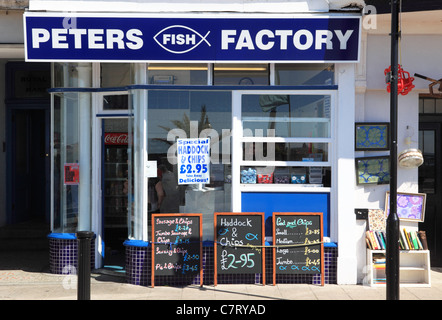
[[229, 39]]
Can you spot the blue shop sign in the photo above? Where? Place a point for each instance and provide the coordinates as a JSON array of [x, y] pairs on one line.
[[69, 37]]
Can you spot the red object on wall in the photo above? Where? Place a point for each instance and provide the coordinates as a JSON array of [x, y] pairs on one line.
[[404, 83], [71, 173]]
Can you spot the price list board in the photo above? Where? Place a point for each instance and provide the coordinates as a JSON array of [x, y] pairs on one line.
[[297, 244], [176, 245], [239, 243]]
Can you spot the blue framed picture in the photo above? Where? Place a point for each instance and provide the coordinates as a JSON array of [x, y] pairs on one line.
[[372, 136], [373, 170]]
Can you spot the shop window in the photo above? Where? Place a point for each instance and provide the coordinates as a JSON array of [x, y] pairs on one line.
[[299, 151], [71, 161], [177, 74], [430, 105], [115, 102], [72, 75], [184, 114], [25, 81], [241, 74], [304, 74], [286, 139], [287, 115], [115, 75]]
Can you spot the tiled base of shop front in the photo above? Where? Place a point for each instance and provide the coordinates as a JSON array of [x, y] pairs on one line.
[[138, 271], [63, 256]]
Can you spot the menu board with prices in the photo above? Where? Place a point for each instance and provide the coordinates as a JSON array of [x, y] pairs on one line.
[[177, 245], [298, 244]]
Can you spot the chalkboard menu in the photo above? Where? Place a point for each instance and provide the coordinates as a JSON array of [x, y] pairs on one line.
[[239, 243], [177, 245], [298, 247]]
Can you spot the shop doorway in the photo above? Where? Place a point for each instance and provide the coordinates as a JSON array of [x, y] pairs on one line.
[[28, 182], [115, 191], [27, 143], [430, 174]]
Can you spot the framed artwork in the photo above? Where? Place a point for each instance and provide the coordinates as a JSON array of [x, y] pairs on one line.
[[410, 206], [373, 170], [372, 136], [376, 220]]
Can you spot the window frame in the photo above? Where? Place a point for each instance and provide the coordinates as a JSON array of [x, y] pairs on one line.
[[238, 139]]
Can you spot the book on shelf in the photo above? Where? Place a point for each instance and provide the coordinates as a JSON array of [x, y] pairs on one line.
[[423, 238], [408, 240]]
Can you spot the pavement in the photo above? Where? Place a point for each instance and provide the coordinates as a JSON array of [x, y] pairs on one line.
[[25, 276]]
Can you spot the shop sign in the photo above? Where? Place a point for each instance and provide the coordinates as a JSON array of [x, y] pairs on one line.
[[193, 161], [83, 37], [116, 138]]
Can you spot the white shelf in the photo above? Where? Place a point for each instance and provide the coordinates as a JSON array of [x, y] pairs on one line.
[[414, 269]]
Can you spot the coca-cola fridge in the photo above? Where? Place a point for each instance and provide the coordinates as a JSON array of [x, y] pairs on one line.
[[115, 198]]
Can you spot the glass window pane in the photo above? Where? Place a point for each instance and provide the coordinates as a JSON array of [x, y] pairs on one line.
[[304, 74], [240, 74], [115, 102], [269, 151], [438, 105], [174, 114], [427, 171], [115, 74], [429, 105], [67, 75], [71, 158], [286, 115], [318, 176], [179, 74]]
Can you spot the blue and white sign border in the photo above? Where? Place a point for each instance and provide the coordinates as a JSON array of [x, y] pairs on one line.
[[206, 49]]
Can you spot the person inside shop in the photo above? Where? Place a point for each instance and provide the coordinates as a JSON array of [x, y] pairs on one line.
[[156, 194]]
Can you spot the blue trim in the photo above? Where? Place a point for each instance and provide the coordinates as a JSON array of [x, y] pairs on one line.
[[330, 245], [269, 202], [136, 243], [233, 88], [205, 88], [114, 115], [87, 89], [62, 236]]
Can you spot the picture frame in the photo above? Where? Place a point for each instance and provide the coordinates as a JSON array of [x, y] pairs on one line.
[[410, 206], [372, 136], [372, 170]]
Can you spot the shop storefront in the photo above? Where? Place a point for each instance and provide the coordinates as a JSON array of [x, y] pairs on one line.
[[275, 95]]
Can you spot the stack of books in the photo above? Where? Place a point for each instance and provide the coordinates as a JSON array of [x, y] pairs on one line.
[[408, 240], [379, 266]]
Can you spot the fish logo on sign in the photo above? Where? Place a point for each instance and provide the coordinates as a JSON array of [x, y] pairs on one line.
[[180, 39]]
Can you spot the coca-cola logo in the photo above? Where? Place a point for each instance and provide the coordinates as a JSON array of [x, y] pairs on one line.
[[113, 138]]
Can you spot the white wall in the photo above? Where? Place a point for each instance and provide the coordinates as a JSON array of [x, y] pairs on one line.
[[419, 53], [277, 6]]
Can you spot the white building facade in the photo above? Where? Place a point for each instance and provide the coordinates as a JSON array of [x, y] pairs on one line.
[[330, 78]]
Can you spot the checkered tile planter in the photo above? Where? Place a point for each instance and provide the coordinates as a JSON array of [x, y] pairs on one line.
[[63, 253], [138, 269]]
